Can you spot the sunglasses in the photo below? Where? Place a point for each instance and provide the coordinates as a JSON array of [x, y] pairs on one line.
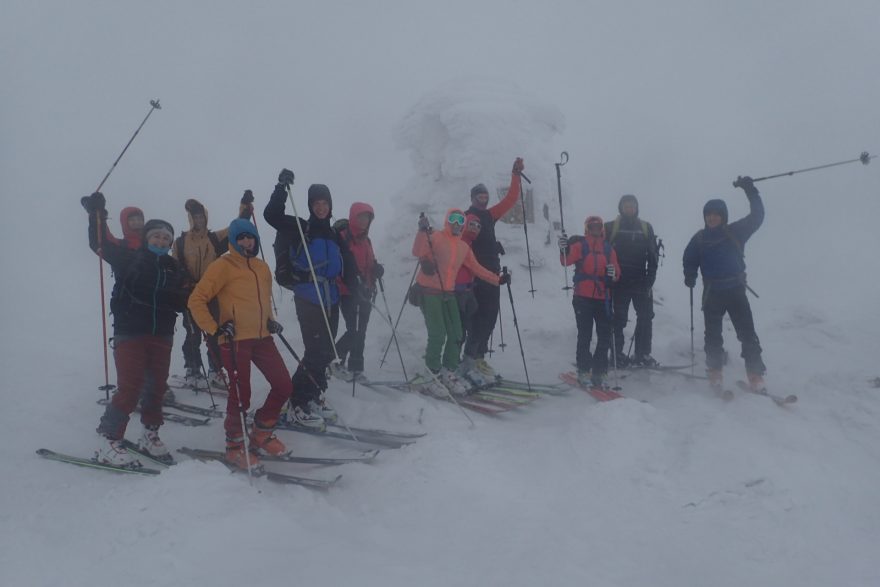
[[456, 218], [475, 225], [244, 235]]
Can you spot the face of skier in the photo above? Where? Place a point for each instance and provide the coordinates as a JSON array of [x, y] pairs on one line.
[[159, 239], [363, 221], [135, 222], [629, 209], [200, 222], [321, 209], [480, 201], [713, 219], [248, 243], [594, 229], [473, 227]]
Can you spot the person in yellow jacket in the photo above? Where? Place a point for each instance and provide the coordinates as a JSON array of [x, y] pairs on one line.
[[242, 283], [441, 255], [195, 249]]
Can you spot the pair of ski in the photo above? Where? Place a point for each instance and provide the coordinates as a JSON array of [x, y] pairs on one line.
[[779, 400], [489, 400], [375, 436], [601, 393]]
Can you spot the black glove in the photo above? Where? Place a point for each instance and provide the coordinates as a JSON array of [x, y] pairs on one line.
[[94, 202], [504, 279], [274, 327], [690, 280], [428, 267], [285, 177], [518, 166], [226, 329], [747, 184], [379, 271], [248, 197], [424, 225]]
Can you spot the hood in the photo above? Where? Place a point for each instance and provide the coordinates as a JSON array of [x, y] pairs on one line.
[[132, 238], [466, 235], [594, 219], [447, 227], [240, 226], [319, 191], [716, 205], [193, 206], [356, 210], [628, 198], [154, 224]]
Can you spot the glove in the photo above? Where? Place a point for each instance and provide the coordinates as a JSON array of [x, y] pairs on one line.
[[272, 326], [248, 197], [611, 270], [428, 268], [424, 225], [690, 280], [518, 166], [504, 279], [285, 177], [563, 242], [747, 184], [226, 329], [93, 203], [379, 271]]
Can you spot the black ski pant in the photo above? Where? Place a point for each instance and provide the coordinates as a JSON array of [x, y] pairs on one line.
[[192, 344], [310, 378], [356, 313], [467, 310], [643, 303], [488, 298], [588, 311], [734, 302]]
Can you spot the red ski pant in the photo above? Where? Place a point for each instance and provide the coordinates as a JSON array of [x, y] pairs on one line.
[[263, 353], [137, 359]]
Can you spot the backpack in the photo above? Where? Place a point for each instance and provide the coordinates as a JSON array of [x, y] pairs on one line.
[[579, 274]]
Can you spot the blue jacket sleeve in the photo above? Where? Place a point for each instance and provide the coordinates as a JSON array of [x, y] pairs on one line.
[[745, 227]]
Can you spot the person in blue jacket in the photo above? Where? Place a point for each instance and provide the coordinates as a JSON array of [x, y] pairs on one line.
[[330, 260], [718, 252]]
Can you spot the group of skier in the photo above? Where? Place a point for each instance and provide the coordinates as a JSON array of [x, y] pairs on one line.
[[224, 291]]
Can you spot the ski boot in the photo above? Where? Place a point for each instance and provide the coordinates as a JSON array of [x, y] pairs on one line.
[[114, 453], [238, 457], [150, 443], [455, 385], [263, 438]]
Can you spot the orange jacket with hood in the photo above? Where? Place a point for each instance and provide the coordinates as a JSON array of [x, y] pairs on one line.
[[450, 253]]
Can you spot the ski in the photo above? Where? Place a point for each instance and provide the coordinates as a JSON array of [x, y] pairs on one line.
[[602, 394], [779, 400], [171, 417], [94, 463], [134, 449], [270, 475], [486, 407], [209, 412], [178, 382], [291, 458], [549, 388], [330, 433], [388, 434]]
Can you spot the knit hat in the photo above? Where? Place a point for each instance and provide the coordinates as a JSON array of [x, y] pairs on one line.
[[718, 206], [157, 226], [193, 206], [480, 188], [628, 198], [319, 191], [241, 226]]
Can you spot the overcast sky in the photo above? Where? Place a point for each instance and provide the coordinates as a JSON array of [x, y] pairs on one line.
[[666, 100]]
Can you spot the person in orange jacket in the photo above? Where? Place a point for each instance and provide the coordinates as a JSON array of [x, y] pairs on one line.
[[242, 285], [441, 256], [596, 267]]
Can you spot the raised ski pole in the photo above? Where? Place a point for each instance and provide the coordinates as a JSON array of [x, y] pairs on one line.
[[305, 248], [154, 105], [693, 361], [522, 201], [393, 328], [516, 325], [563, 159], [399, 314], [864, 159]]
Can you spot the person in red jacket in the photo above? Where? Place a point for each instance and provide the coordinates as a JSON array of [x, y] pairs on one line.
[[357, 301], [596, 267]]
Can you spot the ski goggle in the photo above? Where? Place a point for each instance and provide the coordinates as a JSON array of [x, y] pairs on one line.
[[456, 218], [474, 225]]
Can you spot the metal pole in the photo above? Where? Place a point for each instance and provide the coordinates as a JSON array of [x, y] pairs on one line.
[[864, 159], [563, 158], [522, 201], [516, 325], [399, 314], [393, 328]]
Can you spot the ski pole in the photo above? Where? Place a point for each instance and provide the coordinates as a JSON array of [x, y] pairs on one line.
[[357, 328], [522, 201], [154, 105], [234, 388], [563, 159], [502, 344], [610, 301], [393, 329], [260, 241], [864, 159], [305, 248], [399, 314], [693, 361], [516, 326]]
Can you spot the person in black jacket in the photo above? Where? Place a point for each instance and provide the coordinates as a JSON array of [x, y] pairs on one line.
[[636, 246], [145, 305], [718, 252]]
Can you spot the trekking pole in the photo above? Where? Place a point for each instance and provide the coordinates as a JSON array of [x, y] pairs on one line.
[[305, 248], [357, 328], [107, 387], [233, 379], [563, 159], [516, 325], [312, 379], [864, 159], [399, 314], [260, 241], [693, 361], [610, 311], [522, 201], [393, 328], [502, 344]]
